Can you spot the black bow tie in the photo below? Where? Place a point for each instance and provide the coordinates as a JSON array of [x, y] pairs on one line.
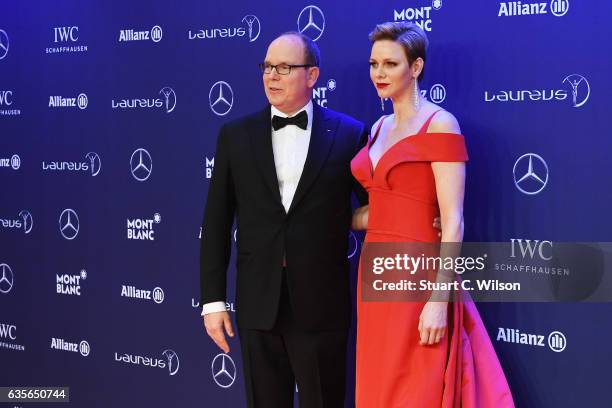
[[300, 120]]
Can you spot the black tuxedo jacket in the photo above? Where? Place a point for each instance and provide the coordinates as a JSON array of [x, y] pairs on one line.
[[313, 234]]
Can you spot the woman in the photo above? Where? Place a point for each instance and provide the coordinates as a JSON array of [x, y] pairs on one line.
[[411, 354]]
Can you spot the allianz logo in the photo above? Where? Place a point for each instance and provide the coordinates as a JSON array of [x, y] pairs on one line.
[[155, 35], [517, 8], [156, 295], [60, 344], [556, 340], [57, 101]]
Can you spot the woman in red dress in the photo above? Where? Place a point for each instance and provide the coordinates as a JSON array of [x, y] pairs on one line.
[[417, 354]]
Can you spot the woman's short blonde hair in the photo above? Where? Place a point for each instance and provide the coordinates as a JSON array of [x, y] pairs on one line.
[[409, 35]]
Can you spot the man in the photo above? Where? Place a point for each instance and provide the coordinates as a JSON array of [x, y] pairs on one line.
[[285, 173]]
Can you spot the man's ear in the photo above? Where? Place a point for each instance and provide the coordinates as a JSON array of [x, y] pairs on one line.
[[313, 76]]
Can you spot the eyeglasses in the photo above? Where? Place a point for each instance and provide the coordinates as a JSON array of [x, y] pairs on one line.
[[281, 69]]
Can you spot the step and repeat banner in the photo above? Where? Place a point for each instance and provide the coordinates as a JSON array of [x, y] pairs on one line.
[[109, 113]]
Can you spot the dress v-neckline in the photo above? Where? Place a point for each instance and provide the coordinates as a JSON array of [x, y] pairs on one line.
[[421, 132]]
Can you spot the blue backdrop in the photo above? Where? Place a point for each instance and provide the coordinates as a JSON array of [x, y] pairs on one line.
[[109, 113]]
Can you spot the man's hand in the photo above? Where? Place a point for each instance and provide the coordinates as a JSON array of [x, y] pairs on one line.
[[215, 323], [437, 224]]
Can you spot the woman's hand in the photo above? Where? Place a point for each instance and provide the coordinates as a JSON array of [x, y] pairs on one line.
[[360, 218], [433, 322]]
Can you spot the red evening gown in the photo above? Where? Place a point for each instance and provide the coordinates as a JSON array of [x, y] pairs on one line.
[[393, 370]]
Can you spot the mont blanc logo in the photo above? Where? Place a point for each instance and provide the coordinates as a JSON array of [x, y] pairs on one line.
[[172, 360], [156, 295], [422, 16], [557, 8], [7, 279], [155, 34], [578, 86], [4, 44], [530, 173], [167, 101], [82, 347], [23, 222], [221, 98], [65, 39], [92, 164], [209, 165], [223, 370], [57, 101], [581, 90], [250, 29], [8, 335], [320, 94], [6, 104], [67, 284], [14, 162], [311, 22], [142, 229], [141, 164], [69, 224], [556, 340]]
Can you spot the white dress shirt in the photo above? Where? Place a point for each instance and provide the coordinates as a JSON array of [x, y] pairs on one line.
[[290, 148]]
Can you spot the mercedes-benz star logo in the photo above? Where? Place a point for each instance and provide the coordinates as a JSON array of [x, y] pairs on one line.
[[4, 44], [141, 164], [169, 97], [173, 361], [311, 22], [95, 163], [223, 370], [579, 85], [28, 222], [69, 224], [221, 98], [6, 278], [530, 174], [253, 26]]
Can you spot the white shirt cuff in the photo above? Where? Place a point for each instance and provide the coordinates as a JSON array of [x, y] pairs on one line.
[[213, 307]]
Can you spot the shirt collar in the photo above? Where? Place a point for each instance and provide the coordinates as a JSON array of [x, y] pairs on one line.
[[308, 108]]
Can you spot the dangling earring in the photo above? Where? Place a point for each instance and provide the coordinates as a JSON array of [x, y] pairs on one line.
[[382, 104], [416, 97]]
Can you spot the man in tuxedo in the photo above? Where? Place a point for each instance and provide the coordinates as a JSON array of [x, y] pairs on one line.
[[284, 173]]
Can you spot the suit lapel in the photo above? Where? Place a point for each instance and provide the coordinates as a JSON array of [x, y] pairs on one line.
[[261, 141], [321, 141]]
